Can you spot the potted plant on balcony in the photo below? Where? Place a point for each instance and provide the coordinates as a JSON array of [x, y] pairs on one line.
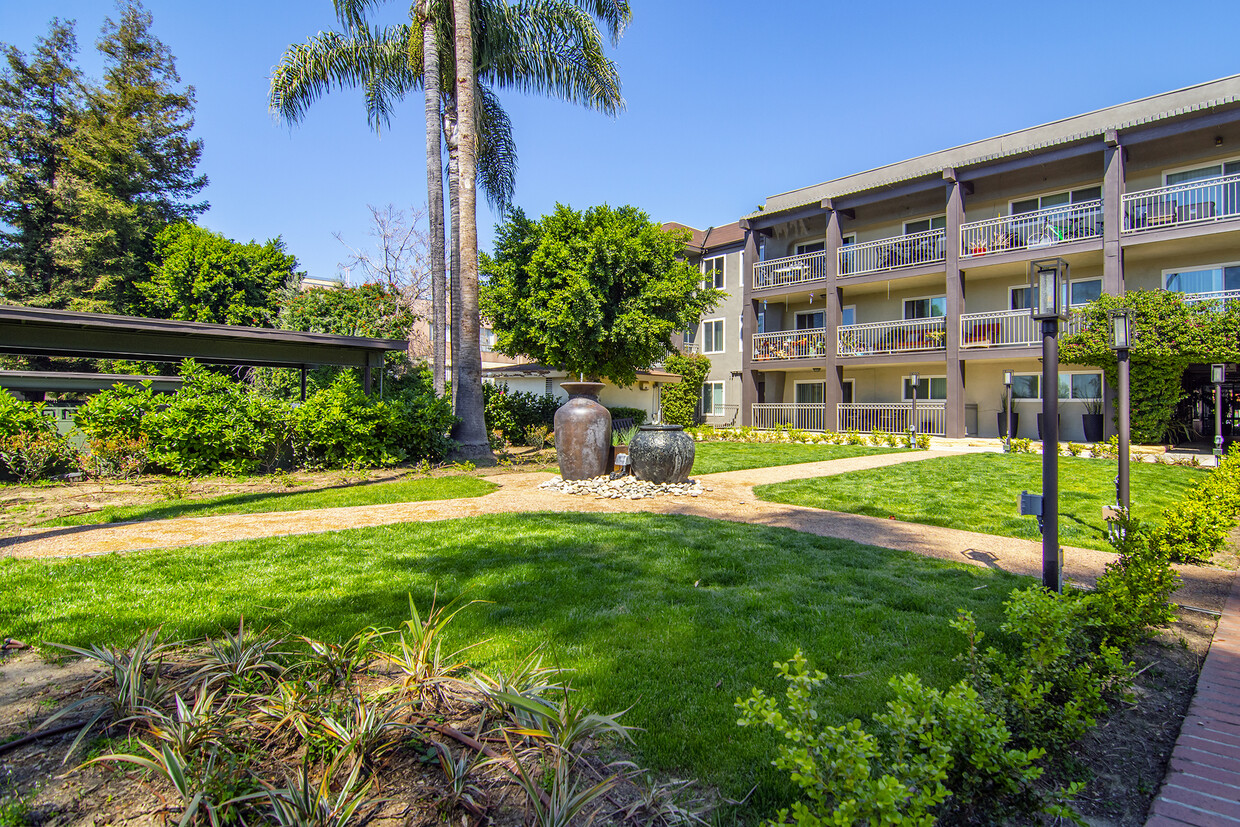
[[1003, 410], [1091, 420]]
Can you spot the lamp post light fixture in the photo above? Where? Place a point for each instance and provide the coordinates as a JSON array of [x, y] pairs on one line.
[[914, 379], [1048, 283], [1121, 341], [1218, 375], [1007, 395]]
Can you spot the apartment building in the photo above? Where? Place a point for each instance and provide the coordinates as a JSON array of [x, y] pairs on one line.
[[719, 253], [921, 267]]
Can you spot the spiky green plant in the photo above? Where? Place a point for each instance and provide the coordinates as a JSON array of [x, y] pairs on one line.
[[567, 798], [419, 647], [528, 678], [302, 803], [190, 726], [367, 731], [562, 725], [231, 658], [336, 664]]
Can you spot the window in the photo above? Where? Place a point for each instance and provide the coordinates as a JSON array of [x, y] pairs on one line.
[[1085, 291], [1202, 173], [712, 272], [809, 393], [848, 390], [762, 321], [849, 315], [939, 222], [810, 247], [1026, 386], [926, 308], [712, 336], [1057, 199], [1022, 298], [1205, 280], [810, 320], [851, 238], [928, 387], [712, 398], [1080, 386], [690, 335], [548, 388]]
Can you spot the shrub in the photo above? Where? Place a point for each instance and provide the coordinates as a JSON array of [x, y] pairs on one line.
[[1074, 449], [421, 420], [1196, 527], [680, 401], [513, 412], [117, 413], [18, 417], [33, 455], [636, 414], [1134, 592], [116, 456], [341, 427]]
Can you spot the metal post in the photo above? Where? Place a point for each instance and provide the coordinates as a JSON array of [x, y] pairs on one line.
[[1125, 418], [303, 383], [1218, 421], [913, 416], [1052, 555], [1009, 417]]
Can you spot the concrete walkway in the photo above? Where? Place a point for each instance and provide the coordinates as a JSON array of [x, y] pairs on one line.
[[1202, 786], [729, 496]]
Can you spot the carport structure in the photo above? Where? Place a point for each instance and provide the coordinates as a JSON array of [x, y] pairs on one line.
[[34, 331]]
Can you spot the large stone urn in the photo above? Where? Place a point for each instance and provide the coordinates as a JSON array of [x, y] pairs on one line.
[[662, 453], [582, 432]]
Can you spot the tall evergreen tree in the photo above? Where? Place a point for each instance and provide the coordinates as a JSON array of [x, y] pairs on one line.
[[133, 159], [41, 98]]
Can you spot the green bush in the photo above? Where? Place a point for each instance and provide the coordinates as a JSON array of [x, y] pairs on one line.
[[341, 427], [680, 401], [116, 456], [1195, 528], [421, 421], [621, 412], [29, 456], [117, 413], [513, 413], [18, 417], [1134, 592]]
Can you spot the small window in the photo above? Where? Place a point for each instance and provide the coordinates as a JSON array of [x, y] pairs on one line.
[[939, 222], [1210, 280], [712, 336], [848, 391], [1080, 386], [1203, 173], [712, 272], [810, 247], [812, 320], [548, 389], [809, 393], [849, 314], [1021, 298], [928, 308], [762, 321], [928, 387], [1026, 386], [1056, 199], [712, 398], [1083, 292]]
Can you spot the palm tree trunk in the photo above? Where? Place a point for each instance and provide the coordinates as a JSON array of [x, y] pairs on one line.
[[471, 433], [434, 191], [454, 264]]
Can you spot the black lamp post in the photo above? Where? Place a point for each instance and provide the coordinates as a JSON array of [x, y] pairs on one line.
[[1007, 395], [914, 379], [1218, 375], [1121, 341], [1048, 281]]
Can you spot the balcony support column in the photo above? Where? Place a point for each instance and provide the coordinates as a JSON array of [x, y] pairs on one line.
[[749, 325], [833, 375], [1112, 252], [954, 419]]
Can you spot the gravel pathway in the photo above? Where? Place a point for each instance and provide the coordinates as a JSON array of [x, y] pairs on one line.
[[728, 496]]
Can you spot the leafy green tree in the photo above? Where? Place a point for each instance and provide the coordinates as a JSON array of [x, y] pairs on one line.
[[680, 400], [201, 276], [41, 99], [1170, 336], [599, 292], [133, 160]]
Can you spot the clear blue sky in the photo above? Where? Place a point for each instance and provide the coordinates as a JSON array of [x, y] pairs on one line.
[[727, 102]]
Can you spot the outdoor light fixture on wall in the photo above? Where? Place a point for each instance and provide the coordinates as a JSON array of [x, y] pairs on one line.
[[1048, 288]]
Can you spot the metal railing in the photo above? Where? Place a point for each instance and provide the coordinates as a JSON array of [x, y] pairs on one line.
[[1223, 297], [892, 253], [689, 347], [1031, 230], [1212, 199], [1002, 328], [892, 417], [892, 337], [806, 416], [790, 344], [779, 272]]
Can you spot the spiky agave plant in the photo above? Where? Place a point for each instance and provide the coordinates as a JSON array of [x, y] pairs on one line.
[[419, 647], [367, 731], [233, 658], [563, 724], [302, 803]]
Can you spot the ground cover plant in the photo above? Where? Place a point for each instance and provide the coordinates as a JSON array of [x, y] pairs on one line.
[[346, 494], [673, 616], [714, 457], [980, 491]]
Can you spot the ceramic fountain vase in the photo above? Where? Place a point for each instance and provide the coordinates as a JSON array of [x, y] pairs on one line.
[[662, 454], [582, 433]]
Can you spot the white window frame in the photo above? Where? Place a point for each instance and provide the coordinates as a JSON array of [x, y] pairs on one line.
[[852, 384], [848, 239], [927, 218], [1016, 287], [798, 314], [1044, 193], [723, 389], [722, 271], [1194, 268], [797, 251], [719, 340], [1102, 289], [797, 382], [930, 383], [845, 308], [904, 301], [1070, 373], [1222, 164]]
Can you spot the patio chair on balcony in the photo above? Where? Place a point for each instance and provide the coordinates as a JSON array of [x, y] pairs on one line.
[[1160, 213], [1195, 212]]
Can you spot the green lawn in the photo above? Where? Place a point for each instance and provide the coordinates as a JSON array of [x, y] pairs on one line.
[[713, 457], [333, 496], [979, 492], [673, 616]]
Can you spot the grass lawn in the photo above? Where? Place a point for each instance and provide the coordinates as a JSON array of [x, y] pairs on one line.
[[713, 457], [335, 496], [979, 492], [673, 616]]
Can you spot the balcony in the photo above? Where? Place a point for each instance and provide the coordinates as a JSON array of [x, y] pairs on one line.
[[892, 253], [1032, 230], [892, 417], [781, 272], [790, 344], [908, 336], [1195, 202], [1223, 297], [806, 416]]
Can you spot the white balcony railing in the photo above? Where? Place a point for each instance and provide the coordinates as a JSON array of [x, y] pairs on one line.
[[690, 347], [892, 337], [1003, 328], [892, 253], [807, 417], [1223, 297], [892, 417], [790, 344], [1212, 199], [779, 272], [1031, 230]]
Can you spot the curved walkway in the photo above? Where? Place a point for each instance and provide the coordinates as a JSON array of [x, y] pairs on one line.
[[728, 496]]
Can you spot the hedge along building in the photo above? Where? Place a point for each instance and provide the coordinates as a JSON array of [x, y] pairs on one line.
[[719, 252], [922, 266]]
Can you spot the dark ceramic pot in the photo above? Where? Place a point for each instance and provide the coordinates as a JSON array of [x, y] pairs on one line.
[[662, 454], [1003, 424], [582, 433], [1092, 425], [1059, 420]]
